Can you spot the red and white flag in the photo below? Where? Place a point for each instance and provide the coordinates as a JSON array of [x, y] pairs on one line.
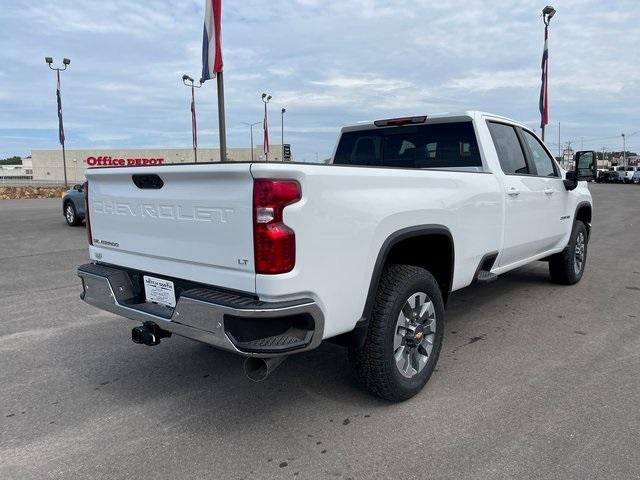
[[544, 95], [59, 100], [194, 124], [265, 126], [212, 40]]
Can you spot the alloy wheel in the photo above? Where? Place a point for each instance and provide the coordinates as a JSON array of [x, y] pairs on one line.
[[414, 334], [578, 258]]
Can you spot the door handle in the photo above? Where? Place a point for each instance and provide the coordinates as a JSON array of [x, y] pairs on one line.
[[549, 191], [513, 191]]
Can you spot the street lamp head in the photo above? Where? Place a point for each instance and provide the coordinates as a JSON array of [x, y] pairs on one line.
[[283, 110], [185, 77], [547, 13], [268, 98], [49, 60], [264, 95], [66, 61]]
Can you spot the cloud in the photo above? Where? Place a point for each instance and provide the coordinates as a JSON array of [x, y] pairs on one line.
[[328, 63]]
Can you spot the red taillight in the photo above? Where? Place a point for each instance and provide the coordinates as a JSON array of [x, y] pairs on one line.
[[87, 220], [274, 243]]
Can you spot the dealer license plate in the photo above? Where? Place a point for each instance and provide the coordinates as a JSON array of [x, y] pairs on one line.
[[160, 291]]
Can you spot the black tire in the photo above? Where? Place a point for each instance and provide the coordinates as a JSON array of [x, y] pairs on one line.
[[563, 267], [71, 215], [374, 364]]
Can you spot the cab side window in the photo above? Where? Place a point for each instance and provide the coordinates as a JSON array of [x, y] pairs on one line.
[[509, 150], [543, 162]]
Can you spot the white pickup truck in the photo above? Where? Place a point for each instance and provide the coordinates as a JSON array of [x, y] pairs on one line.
[[269, 259]]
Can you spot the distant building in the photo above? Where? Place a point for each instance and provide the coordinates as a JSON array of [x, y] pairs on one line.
[[46, 165], [17, 172]]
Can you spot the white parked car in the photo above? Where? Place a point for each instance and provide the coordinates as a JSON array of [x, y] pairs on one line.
[[269, 259], [628, 173]]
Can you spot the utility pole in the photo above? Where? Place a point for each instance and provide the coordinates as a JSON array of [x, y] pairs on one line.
[[65, 62], [569, 142], [604, 164], [624, 150]]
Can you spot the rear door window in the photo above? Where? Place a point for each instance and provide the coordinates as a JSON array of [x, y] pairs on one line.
[[509, 150], [442, 145]]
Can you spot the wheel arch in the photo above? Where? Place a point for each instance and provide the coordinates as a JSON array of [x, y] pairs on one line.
[[584, 213], [399, 247], [66, 201]]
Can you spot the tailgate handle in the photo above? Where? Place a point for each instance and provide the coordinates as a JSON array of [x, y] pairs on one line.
[[151, 181]]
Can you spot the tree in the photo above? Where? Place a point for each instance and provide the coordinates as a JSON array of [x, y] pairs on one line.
[[15, 160]]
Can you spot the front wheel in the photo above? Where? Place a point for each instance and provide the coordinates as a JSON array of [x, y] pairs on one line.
[[567, 267], [70, 215], [404, 336]]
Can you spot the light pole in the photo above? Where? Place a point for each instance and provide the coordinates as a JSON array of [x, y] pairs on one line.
[[265, 142], [251, 125], [282, 112], [188, 81], [547, 13], [65, 63], [624, 150]]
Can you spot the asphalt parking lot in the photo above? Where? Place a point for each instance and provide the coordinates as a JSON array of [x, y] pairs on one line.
[[534, 381]]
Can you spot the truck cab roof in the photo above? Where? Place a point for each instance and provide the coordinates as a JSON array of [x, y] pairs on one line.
[[434, 118]]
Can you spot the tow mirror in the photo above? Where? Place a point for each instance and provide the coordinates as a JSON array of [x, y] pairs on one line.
[[586, 168], [586, 165]]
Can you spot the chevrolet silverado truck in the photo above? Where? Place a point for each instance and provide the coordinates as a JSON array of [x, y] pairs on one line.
[[269, 259]]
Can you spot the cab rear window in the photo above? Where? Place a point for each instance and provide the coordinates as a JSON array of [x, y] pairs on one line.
[[442, 145]]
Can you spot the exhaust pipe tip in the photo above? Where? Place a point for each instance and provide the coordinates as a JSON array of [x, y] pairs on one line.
[[258, 369]]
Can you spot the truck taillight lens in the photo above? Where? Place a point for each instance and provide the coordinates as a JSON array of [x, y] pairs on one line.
[[87, 220], [274, 243]]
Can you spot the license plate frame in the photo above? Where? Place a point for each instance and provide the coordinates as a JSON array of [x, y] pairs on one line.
[[159, 291]]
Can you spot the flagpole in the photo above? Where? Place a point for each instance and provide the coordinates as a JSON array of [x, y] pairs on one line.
[[221, 122]]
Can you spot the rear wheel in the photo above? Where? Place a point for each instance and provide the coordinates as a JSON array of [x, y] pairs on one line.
[[567, 267], [70, 215], [404, 336]]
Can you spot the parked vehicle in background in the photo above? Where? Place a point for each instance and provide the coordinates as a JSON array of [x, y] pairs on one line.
[[73, 205], [621, 171], [609, 176], [600, 176], [267, 260], [636, 177], [628, 174], [615, 175]]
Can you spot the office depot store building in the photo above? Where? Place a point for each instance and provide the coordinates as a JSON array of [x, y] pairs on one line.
[[47, 164]]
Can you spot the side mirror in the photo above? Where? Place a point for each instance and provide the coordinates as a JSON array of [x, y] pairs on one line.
[[586, 169], [586, 165], [77, 187], [570, 182]]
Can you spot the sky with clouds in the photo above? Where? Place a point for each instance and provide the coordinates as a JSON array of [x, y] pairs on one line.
[[329, 63]]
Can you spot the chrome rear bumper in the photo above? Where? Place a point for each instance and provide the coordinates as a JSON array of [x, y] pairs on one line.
[[210, 315]]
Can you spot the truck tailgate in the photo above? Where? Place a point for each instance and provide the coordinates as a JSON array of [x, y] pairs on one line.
[[196, 226]]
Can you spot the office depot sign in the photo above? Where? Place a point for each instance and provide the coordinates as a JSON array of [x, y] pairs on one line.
[[121, 162]]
